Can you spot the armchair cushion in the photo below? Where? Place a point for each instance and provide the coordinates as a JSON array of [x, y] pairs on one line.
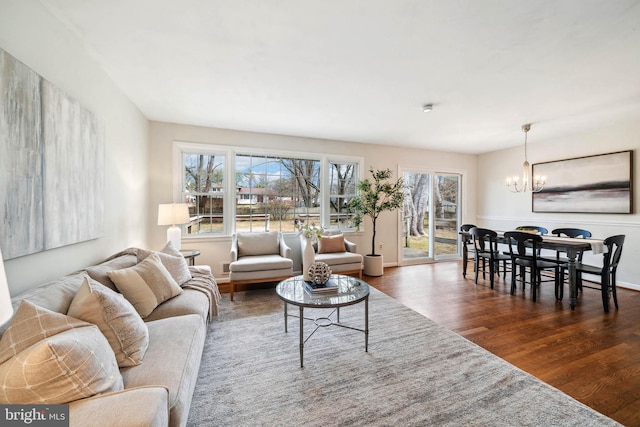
[[337, 258], [331, 244], [250, 244], [260, 263]]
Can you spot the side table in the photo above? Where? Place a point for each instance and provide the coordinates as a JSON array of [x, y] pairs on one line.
[[190, 255]]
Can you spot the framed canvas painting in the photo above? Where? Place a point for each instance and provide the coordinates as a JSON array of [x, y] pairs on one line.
[[593, 184]]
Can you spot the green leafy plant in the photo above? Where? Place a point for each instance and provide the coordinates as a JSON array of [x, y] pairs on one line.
[[311, 231], [375, 197]]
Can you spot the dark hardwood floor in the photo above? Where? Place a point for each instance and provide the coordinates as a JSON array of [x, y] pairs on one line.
[[590, 355]]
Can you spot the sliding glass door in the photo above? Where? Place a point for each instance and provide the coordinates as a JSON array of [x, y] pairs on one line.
[[430, 216]]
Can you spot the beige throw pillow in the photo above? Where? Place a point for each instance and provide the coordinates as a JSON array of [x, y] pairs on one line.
[[117, 319], [146, 285], [173, 261], [72, 361], [330, 244]]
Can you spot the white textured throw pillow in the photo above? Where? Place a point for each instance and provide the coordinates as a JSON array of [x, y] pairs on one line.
[[146, 285], [173, 261], [117, 319], [71, 360]]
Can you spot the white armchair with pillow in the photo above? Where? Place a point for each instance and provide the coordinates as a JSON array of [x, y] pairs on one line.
[[258, 258], [334, 250]]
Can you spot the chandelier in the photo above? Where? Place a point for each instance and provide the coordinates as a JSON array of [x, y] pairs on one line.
[[529, 183]]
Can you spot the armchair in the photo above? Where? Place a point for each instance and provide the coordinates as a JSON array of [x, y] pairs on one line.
[[258, 258], [336, 251]]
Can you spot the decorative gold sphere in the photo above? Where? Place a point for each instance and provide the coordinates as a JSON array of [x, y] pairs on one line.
[[319, 273]]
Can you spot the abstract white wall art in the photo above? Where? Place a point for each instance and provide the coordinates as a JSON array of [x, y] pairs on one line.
[[51, 165]]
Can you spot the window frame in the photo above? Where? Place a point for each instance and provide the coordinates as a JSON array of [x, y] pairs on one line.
[[229, 197]]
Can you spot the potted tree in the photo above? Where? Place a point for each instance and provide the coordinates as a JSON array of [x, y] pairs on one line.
[[375, 197]]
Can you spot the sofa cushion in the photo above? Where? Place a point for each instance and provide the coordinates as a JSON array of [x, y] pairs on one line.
[[55, 295], [99, 272], [172, 361], [173, 260], [117, 319], [190, 301], [141, 406], [146, 285], [331, 244], [69, 359], [250, 244]]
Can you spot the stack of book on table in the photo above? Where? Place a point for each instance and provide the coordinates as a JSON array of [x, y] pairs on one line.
[[328, 288]]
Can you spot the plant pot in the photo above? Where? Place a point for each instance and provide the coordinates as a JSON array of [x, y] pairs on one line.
[[373, 265]]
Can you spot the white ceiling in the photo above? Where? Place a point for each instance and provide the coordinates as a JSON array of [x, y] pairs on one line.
[[360, 70]]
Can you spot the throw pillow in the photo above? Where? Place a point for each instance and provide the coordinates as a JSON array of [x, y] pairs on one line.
[[117, 319], [173, 260], [146, 285], [72, 361], [30, 324], [330, 244], [250, 244], [99, 272]]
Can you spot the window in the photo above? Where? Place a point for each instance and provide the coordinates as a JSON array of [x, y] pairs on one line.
[[275, 193], [263, 190], [203, 191], [343, 180]]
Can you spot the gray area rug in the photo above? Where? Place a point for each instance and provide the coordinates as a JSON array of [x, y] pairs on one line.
[[416, 373]]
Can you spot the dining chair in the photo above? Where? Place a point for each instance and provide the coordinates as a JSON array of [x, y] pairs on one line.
[[607, 271], [571, 232], [522, 258], [467, 248], [485, 245], [574, 233]]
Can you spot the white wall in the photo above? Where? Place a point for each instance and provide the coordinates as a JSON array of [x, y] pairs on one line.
[[502, 210], [32, 35], [215, 251]]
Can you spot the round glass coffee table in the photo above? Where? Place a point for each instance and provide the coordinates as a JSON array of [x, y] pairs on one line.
[[347, 291]]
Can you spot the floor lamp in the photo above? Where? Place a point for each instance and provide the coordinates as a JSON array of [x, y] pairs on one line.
[[173, 214], [6, 308]]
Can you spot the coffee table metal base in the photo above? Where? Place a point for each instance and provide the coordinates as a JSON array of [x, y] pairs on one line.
[[326, 321]]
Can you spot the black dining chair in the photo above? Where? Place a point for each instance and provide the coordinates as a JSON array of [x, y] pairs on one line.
[[467, 248], [607, 271], [533, 229], [574, 233], [571, 232], [485, 245], [524, 251]]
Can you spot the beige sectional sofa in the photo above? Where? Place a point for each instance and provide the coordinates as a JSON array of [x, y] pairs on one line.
[[158, 379]]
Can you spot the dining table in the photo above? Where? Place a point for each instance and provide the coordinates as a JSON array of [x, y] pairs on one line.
[[571, 246]]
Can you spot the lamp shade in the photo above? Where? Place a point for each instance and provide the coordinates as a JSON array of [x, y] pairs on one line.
[[173, 213], [6, 309]]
